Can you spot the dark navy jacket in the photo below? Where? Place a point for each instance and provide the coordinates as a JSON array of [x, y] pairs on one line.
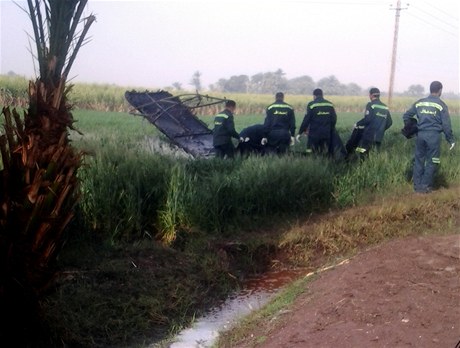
[[280, 116], [224, 128], [377, 119], [432, 114], [320, 119]]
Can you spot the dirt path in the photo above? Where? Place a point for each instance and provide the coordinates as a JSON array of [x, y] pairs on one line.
[[405, 293]]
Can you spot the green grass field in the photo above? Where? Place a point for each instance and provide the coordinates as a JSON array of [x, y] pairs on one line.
[[100, 127], [181, 189]]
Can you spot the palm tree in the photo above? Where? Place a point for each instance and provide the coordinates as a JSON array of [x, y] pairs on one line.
[[38, 182]]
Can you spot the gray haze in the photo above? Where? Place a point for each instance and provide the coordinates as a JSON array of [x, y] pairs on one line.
[[156, 43]]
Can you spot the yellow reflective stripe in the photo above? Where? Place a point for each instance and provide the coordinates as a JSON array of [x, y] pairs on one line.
[[222, 115], [378, 106], [308, 150], [286, 106], [360, 150], [436, 160], [429, 104], [317, 105]]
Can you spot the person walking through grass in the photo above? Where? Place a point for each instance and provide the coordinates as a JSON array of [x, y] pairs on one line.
[[224, 131], [279, 125], [432, 116], [377, 119], [319, 123]]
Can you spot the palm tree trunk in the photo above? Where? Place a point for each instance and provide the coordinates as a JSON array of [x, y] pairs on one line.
[[38, 181]]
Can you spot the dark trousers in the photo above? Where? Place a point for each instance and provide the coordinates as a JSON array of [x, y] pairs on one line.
[[225, 150], [337, 149], [278, 141], [427, 151], [250, 147], [319, 145], [354, 140]]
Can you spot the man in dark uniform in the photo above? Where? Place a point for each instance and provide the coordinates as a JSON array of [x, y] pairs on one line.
[[377, 119], [224, 131], [252, 137], [279, 125], [432, 117], [319, 123]]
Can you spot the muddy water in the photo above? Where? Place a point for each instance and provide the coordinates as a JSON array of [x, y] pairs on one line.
[[256, 292]]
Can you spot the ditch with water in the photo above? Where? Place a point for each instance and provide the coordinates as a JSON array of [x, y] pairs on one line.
[[255, 293]]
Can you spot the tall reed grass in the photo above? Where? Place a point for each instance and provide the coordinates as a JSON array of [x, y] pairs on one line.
[[106, 97], [131, 194]]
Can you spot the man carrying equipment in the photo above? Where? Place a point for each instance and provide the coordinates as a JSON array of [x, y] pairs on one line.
[[319, 123], [279, 125], [224, 131], [432, 118], [377, 119]]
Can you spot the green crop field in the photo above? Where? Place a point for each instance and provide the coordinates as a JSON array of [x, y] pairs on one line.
[[180, 189], [104, 97]]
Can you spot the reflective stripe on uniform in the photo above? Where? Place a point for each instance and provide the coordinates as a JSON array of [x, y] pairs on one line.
[[280, 106], [361, 150], [308, 150], [222, 115], [436, 160], [317, 105], [378, 106], [429, 104]]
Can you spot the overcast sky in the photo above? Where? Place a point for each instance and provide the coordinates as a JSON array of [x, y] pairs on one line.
[[158, 42]]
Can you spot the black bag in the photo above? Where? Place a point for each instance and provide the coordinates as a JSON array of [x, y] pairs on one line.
[[410, 128], [354, 140], [336, 148]]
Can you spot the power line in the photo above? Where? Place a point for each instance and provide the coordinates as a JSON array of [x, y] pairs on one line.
[[442, 11], [433, 25], [332, 2], [437, 18]]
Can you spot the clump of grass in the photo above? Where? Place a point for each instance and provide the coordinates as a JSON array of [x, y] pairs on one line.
[[218, 196], [173, 214], [344, 232], [132, 295], [122, 192]]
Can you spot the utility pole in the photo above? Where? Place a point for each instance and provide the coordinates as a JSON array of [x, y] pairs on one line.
[[395, 47]]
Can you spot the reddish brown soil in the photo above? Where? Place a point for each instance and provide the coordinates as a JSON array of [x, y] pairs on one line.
[[405, 293]]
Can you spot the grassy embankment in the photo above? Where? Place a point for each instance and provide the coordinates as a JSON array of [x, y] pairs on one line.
[[220, 219], [342, 234]]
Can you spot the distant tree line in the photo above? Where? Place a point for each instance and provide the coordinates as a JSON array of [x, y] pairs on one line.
[[271, 82], [274, 81]]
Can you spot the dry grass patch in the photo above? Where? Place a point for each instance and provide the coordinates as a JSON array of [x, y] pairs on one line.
[[345, 231]]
